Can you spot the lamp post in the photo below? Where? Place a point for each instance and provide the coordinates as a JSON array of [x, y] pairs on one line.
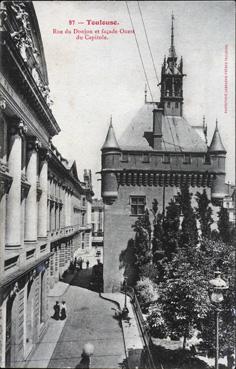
[[125, 309], [218, 286]]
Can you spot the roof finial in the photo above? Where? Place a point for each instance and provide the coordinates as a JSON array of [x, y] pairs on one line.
[[145, 93], [172, 46], [204, 127], [172, 30], [203, 121], [216, 124], [111, 121]]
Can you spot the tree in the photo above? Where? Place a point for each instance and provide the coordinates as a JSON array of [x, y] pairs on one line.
[[204, 213], [157, 245], [183, 294], [189, 232], [213, 255], [147, 293], [142, 244], [224, 225], [171, 233]]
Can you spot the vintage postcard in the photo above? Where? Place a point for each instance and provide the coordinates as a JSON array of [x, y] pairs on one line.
[[117, 184]]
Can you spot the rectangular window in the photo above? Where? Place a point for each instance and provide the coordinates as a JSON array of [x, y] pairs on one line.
[[83, 219], [137, 205], [124, 157], [82, 244], [187, 159], [43, 248], [146, 158], [30, 254], [166, 158], [207, 159], [9, 263]]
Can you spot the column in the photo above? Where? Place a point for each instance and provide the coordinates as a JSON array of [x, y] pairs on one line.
[[24, 189], [13, 226], [66, 208], [43, 180], [69, 208], [31, 201]]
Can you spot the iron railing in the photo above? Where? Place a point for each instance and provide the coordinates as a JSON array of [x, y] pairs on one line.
[[147, 358]]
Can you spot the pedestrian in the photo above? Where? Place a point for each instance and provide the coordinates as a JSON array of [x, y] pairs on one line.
[[63, 311], [75, 262], [87, 352], [87, 264], [56, 308], [81, 264]]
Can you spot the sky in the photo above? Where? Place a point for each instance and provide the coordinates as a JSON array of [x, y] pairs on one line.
[[90, 80]]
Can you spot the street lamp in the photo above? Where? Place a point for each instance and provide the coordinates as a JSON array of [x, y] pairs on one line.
[[218, 286], [125, 309]]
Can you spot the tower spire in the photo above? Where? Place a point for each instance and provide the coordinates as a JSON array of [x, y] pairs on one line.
[[172, 80], [216, 142], [204, 127], [111, 141], [172, 53]]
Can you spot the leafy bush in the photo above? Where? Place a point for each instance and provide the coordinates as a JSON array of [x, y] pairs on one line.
[[157, 326], [146, 292]]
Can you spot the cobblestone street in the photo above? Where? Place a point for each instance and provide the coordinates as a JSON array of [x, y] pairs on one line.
[[89, 319]]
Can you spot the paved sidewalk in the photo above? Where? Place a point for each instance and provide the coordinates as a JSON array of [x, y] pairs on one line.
[[90, 319], [132, 336], [43, 353]]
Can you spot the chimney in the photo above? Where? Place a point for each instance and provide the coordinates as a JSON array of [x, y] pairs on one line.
[[157, 128]]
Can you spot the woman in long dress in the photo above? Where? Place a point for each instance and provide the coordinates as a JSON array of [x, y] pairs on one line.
[[63, 311]]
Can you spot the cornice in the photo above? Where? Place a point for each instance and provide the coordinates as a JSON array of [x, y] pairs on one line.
[[26, 83]]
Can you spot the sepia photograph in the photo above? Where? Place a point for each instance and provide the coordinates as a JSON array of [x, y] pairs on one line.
[[117, 184]]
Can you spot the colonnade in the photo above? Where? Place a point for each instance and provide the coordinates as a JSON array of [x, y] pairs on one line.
[[32, 172]]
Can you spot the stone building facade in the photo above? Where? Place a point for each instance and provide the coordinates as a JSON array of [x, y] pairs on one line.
[[158, 152], [43, 205], [229, 203], [97, 227]]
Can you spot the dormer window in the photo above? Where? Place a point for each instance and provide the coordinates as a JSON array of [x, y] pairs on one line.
[[207, 159], [166, 158], [146, 158], [187, 159], [124, 157]]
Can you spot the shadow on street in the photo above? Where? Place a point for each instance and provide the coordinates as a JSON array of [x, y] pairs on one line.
[[83, 278]]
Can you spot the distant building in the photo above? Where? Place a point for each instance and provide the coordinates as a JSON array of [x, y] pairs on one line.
[[158, 152], [97, 227], [44, 208], [229, 202]]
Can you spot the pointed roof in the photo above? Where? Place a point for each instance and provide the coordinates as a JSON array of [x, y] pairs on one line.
[[73, 170], [111, 141], [216, 143], [178, 134], [172, 53]]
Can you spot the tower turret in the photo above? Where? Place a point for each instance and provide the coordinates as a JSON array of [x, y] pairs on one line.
[[217, 154], [110, 162], [172, 81]]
